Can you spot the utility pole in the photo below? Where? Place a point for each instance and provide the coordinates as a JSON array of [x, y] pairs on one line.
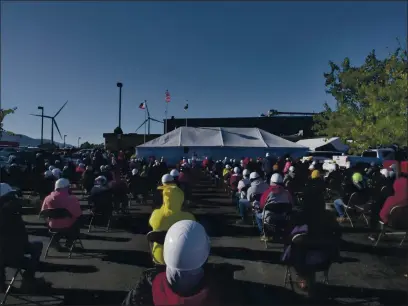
[[42, 123], [120, 85]]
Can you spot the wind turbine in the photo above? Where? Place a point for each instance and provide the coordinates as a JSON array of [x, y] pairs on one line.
[[53, 122]]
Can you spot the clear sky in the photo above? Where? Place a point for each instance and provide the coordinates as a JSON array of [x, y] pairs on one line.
[[226, 58]]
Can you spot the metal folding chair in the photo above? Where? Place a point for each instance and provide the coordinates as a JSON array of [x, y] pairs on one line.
[[155, 237], [55, 214], [303, 240], [10, 286], [351, 206], [281, 210], [397, 223]]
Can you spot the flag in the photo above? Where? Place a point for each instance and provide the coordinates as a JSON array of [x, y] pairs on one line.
[[186, 107], [168, 98], [142, 105]]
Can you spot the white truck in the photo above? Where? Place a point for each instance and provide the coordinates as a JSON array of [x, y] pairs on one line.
[[376, 156]]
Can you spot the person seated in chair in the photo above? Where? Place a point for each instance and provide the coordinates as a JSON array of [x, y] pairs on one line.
[[169, 213], [184, 280], [61, 198], [234, 180], [400, 198], [276, 193], [323, 231], [14, 243], [356, 185]]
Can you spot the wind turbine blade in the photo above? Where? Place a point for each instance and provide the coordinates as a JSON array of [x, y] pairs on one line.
[[156, 120], [56, 125], [144, 122], [60, 109], [35, 115]]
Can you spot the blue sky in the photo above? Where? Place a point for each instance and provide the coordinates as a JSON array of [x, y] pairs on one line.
[[226, 58]]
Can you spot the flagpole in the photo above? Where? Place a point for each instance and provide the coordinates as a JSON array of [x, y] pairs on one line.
[[186, 112], [144, 136], [165, 125]]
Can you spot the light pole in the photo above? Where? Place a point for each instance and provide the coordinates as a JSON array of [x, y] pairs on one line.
[[65, 136], [120, 85], [42, 123], [79, 138]]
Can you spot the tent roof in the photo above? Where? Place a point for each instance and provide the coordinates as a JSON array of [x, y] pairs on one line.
[[315, 143], [220, 137]]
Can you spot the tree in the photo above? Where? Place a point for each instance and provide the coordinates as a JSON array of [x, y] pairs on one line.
[[371, 102], [118, 131], [3, 114], [87, 145]]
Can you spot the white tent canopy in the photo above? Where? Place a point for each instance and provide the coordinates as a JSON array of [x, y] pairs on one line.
[[315, 143], [220, 137], [218, 142]]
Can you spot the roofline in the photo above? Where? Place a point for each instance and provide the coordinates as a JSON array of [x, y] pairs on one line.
[[260, 118]]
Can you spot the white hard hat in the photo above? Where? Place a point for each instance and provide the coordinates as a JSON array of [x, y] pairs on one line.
[[267, 155], [101, 180], [227, 166], [48, 173], [102, 168], [167, 178], [314, 163], [384, 172], [51, 168], [237, 170], [56, 172], [61, 183], [174, 173], [276, 178], [241, 162], [246, 172], [186, 246], [253, 176], [134, 171], [5, 189], [291, 169], [311, 167]]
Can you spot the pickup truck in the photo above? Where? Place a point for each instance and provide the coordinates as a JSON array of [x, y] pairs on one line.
[[376, 156]]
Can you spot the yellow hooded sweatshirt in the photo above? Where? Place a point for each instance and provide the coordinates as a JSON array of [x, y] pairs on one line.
[[168, 214]]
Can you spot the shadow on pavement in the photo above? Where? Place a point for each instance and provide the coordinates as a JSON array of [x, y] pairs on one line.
[[43, 232], [51, 267], [127, 257], [349, 246], [224, 225], [366, 296]]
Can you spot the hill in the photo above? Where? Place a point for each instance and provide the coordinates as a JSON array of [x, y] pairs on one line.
[[26, 141]]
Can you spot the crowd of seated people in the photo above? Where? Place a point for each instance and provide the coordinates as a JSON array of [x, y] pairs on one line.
[[255, 185]]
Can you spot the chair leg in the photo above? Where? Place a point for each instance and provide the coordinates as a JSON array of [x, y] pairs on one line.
[[403, 238], [108, 226], [348, 217], [90, 224], [9, 287], [285, 280], [379, 237], [48, 247], [71, 248], [326, 277]]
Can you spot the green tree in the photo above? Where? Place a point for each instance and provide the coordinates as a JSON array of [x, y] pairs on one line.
[[371, 102], [3, 114], [117, 131]]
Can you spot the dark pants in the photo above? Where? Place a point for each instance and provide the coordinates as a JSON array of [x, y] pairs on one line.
[[27, 263]]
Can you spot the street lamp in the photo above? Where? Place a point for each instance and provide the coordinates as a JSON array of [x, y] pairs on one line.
[[65, 136], [42, 123], [79, 138], [120, 85]]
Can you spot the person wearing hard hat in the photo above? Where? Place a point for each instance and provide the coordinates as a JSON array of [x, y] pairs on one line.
[[234, 179], [254, 193], [267, 164], [169, 213], [400, 198], [244, 183], [61, 198], [288, 164], [314, 191], [183, 281], [175, 174], [356, 185], [15, 244], [276, 193]]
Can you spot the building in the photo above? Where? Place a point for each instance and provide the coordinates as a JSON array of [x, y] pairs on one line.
[[126, 141], [277, 125]]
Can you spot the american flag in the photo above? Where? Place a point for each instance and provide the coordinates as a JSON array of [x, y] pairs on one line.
[[142, 105], [168, 98]]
